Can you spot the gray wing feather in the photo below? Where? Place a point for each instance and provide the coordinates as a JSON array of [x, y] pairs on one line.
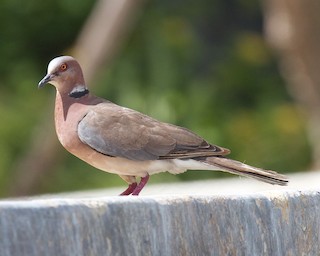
[[117, 131]]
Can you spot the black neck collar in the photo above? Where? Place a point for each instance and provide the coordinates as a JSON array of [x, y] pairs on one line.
[[78, 94]]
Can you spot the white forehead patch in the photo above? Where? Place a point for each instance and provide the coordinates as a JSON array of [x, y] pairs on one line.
[[56, 62]]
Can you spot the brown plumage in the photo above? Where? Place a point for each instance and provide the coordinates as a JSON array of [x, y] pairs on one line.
[[125, 142]]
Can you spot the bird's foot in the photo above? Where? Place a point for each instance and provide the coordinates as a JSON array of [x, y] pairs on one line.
[[143, 182], [134, 188], [129, 190]]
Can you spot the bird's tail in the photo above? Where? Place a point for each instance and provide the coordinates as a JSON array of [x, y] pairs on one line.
[[242, 169]]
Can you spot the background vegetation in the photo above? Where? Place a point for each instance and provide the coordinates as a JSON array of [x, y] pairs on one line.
[[203, 65]]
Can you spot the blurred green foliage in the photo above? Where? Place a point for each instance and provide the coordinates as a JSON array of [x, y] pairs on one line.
[[203, 65]]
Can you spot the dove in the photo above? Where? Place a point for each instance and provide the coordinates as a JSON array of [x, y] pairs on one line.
[[128, 143]]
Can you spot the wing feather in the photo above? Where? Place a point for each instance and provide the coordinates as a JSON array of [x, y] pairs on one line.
[[122, 132]]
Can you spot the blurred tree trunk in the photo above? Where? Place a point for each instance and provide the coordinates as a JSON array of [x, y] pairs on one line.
[[292, 27], [101, 37]]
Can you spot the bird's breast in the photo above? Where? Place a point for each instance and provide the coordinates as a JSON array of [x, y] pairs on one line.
[[67, 118]]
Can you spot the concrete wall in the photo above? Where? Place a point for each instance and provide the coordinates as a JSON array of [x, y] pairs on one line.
[[276, 222]]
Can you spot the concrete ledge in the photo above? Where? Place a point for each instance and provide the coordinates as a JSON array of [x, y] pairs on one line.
[[275, 222]]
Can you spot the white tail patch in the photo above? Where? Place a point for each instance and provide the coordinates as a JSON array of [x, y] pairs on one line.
[[190, 164]]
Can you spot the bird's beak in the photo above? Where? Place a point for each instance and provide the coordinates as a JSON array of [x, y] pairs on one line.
[[45, 80]]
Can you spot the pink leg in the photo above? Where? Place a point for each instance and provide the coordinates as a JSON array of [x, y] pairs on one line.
[[141, 185], [130, 189]]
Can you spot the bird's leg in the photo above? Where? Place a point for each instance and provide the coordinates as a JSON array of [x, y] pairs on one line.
[[143, 182], [130, 189]]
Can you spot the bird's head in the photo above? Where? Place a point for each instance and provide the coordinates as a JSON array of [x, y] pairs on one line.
[[65, 74]]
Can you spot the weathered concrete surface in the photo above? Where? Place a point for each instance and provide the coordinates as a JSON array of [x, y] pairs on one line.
[[275, 222]]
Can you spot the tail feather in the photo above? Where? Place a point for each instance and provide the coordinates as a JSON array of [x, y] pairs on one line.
[[242, 169]]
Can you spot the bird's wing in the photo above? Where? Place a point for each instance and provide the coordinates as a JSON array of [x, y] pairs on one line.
[[122, 132]]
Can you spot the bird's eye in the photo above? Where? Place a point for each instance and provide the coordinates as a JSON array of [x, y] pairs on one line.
[[63, 67]]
